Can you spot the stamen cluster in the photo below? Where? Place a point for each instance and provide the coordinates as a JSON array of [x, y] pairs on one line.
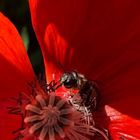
[[52, 117]]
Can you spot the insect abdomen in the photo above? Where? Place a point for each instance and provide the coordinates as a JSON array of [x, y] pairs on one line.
[[88, 93]]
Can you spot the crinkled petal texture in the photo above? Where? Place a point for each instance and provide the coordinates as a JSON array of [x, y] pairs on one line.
[[100, 39], [15, 72]]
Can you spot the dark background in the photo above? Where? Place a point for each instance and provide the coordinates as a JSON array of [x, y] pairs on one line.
[[18, 12]]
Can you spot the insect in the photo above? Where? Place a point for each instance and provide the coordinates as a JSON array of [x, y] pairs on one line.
[[87, 90]]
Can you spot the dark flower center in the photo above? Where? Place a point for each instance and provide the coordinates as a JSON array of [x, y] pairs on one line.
[[47, 116]]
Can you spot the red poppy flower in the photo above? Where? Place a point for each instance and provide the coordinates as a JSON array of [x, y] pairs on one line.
[[100, 39]]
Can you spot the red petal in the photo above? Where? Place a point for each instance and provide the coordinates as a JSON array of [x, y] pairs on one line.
[[15, 67], [100, 39], [15, 72]]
